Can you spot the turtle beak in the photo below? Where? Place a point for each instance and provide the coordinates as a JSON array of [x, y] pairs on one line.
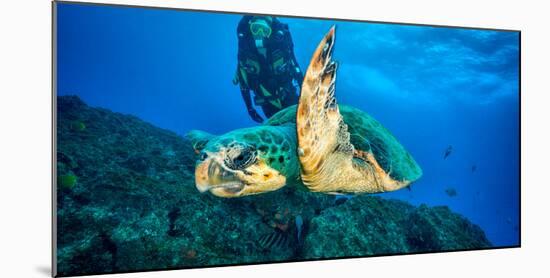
[[209, 175], [202, 177]]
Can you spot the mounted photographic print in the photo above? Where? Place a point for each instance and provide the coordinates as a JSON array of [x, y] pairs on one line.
[[189, 139]]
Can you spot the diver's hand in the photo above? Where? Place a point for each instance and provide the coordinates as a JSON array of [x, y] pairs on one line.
[[255, 116]]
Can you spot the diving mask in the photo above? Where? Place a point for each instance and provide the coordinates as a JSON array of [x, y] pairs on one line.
[[260, 28]]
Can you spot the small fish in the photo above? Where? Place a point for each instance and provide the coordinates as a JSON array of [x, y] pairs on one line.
[[474, 168], [274, 240], [451, 192], [299, 225], [448, 151], [408, 187]]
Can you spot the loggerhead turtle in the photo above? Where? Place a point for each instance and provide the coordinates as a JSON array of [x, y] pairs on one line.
[[318, 144]]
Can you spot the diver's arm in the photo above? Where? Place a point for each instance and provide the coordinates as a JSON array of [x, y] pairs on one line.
[[245, 89], [245, 92]]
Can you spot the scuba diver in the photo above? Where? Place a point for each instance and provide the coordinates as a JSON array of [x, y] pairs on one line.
[[266, 65]]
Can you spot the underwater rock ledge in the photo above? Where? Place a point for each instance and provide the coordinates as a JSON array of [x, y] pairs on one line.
[[368, 225], [127, 201]]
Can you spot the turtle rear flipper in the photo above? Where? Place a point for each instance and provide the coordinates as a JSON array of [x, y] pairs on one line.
[[329, 162]]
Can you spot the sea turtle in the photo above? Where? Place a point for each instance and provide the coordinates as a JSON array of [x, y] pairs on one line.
[[316, 144]]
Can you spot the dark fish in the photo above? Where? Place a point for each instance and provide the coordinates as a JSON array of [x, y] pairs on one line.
[[451, 192], [474, 168], [274, 240], [408, 187], [448, 151], [342, 198]]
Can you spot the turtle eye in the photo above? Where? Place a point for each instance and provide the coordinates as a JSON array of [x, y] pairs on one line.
[[241, 160], [202, 156]]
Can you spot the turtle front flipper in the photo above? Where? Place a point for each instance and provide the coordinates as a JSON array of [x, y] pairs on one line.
[[329, 162]]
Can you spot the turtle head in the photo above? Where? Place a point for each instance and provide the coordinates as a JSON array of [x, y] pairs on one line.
[[240, 163]]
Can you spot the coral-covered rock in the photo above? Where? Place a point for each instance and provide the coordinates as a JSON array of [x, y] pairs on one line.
[[437, 229], [126, 201], [368, 225]]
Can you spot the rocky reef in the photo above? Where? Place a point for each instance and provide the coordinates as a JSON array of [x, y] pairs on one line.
[[126, 201]]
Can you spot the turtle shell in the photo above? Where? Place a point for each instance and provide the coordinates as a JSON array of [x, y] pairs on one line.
[[285, 116], [367, 135]]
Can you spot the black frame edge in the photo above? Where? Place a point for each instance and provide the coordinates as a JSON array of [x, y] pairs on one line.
[[54, 138]]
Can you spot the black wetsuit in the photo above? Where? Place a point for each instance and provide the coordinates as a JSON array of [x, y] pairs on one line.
[[270, 77]]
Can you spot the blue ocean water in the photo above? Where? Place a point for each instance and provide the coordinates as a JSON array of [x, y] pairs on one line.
[[431, 87]]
